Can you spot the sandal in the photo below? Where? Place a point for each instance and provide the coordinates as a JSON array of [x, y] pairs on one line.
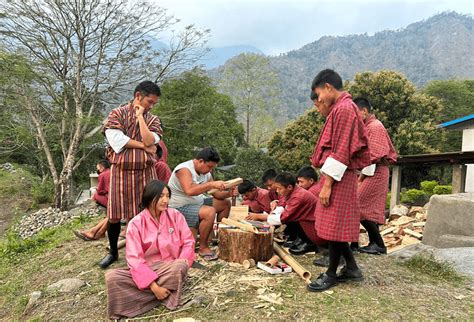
[[81, 235], [209, 256]]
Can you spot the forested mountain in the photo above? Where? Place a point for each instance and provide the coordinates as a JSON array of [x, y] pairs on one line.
[[441, 47]]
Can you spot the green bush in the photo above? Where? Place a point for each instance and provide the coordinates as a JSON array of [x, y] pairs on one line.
[[442, 190], [428, 186], [414, 196], [42, 192]]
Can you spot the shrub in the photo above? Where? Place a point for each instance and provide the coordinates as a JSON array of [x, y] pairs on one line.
[[43, 192], [442, 190], [428, 186], [414, 196]]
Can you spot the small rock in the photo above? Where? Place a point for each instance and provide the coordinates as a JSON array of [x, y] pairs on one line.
[[34, 297], [400, 210], [66, 285]]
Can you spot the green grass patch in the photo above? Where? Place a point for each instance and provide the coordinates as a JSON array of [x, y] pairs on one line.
[[439, 271]]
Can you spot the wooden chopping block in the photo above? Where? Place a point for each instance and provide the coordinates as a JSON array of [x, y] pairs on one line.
[[238, 246]]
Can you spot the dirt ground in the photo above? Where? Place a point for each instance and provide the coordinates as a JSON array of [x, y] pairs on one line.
[[229, 291]]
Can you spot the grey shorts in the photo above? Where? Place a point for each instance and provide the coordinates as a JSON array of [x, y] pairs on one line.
[[191, 212]]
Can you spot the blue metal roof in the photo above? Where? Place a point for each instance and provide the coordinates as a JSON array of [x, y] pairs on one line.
[[457, 122]]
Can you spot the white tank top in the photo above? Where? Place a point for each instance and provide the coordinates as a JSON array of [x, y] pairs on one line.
[[178, 197]]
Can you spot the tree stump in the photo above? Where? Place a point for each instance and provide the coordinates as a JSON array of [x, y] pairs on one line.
[[236, 245]]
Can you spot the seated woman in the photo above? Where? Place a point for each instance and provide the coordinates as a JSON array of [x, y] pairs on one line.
[[159, 252]]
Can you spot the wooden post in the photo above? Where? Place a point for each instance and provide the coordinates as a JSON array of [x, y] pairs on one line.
[[396, 185], [459, 178]]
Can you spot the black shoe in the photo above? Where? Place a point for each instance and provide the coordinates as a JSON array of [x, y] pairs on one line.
[[107, 260], [322, 283], [293, 243], [289, 243], [303, 248], [373, 249], [350, 275], [324, 261]]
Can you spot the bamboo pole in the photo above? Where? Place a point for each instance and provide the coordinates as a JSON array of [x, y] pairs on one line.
[[300, 270]]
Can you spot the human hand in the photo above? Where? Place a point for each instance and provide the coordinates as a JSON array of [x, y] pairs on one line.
[[252, 216], [150, 149], [139, 110], [161, 293], [273, 205], [219, 185], [324, 195]]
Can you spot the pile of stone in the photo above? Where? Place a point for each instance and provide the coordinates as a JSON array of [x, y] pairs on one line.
[[404, 227], [33, 223], [8, 167]]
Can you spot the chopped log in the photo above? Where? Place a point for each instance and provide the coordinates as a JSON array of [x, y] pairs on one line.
[[412, 233], [300, 270], [248, 263], [238, 212], [419, 224], [408, 240], [388, 231], [402, 221], [237, 246]]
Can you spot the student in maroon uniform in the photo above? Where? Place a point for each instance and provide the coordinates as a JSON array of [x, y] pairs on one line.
[[256, 198]]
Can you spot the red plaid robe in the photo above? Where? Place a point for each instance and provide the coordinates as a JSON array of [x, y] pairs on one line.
[[131, 169], [102, 192], [343, 138], [261, 202], [164, 156], [315, 189], [373, 190], [163, 171], [300, 207]]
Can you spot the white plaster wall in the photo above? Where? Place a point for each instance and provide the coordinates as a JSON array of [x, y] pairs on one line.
[[468, 145]]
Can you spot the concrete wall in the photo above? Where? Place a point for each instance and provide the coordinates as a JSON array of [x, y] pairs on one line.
[[468, 145]]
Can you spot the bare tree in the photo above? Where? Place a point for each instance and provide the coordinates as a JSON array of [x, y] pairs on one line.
[[86, 53]]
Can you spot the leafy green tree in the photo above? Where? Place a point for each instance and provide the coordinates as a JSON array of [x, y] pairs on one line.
[[410, 116], [457, 97], [252, 84], [195, 115], [85, 53], [293, 146], [250, 164]]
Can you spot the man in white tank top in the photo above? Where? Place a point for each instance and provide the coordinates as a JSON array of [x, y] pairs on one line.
[[188, 183]]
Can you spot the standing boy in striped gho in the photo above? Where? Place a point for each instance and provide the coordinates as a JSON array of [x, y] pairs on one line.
[[341, 149], [132, 133], [373, 180]]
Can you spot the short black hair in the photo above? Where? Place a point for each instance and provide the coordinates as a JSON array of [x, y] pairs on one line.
[[147, 88], [246, 186], [159, 151], [307, 172], [153, 191], [269, 174], [286, 179], [313, 96], [104, 163], [208, 154], [362, 103], [327, 76]]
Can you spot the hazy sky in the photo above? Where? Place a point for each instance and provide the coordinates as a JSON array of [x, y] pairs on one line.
[[276, 26]]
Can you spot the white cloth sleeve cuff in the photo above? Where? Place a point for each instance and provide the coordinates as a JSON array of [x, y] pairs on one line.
[[278, 210], [274, 219], [117, 140], [157, 137], [369, 170], [334, 168]]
